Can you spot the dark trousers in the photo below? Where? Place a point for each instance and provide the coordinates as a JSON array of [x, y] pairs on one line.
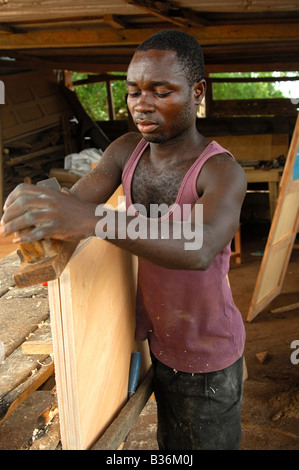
[[198, 411]]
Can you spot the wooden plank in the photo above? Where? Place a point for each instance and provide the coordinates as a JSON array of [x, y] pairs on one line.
[[20, 376], [31, 156], [1, 166], [19, 317], [92, 309], [65, 9], [286, 308], [282, 234], [39, 341], [59, 358], [209, 34], [8, 265], [121, 426], [253, 107], [255, 147]]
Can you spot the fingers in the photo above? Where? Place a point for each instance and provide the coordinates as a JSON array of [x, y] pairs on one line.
[[19, 191], [27, 199], [25, 221], [27, 206], [44, 213], [33, 235], [29, 193]]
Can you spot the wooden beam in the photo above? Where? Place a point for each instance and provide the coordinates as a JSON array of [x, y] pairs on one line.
[[156, 10], [234, 66], [110, 100], [254, 79], [114, 21], [24, 10], [121, 426], [206, 35]]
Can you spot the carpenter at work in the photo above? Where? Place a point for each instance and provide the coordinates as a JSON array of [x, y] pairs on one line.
[[184, 305]]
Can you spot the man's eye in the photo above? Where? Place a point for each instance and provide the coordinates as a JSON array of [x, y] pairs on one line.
[[134, 93], [162, 95]]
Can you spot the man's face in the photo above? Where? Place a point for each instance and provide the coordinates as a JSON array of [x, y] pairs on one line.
[[160, 98]]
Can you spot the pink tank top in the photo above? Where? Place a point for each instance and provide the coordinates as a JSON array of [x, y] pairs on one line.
[[189, 317]]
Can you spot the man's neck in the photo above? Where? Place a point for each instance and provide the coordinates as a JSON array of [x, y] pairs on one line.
[[184, 147]]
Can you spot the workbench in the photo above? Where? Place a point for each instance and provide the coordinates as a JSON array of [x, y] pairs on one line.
[[22, 312], [271, 177]]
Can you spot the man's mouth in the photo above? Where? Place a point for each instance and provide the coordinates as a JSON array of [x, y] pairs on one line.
[[145, 126]]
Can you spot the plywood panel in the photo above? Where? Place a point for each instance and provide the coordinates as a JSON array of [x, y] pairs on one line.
[[93, 311], [282, 234]]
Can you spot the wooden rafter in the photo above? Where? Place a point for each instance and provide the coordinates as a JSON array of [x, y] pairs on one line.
[[159, 9], [171, 12], [114, 21], [207, 35]]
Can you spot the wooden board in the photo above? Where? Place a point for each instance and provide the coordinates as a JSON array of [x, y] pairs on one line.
[[281, 235], [255, 147], [33, 100], [92, 309], [39, 341]]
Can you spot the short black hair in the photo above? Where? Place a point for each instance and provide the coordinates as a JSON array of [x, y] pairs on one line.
[[187, 48]]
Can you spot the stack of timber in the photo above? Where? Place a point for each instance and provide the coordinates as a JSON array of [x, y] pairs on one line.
[[22, 312]]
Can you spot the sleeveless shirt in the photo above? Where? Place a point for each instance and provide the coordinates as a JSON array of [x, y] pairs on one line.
[[188, 316]]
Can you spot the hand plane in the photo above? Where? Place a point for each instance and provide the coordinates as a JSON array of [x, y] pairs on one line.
[[42, 260]]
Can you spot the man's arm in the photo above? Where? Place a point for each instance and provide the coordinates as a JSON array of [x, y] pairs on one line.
[[71, 216]]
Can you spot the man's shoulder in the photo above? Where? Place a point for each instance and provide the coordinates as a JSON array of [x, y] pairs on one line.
[[222, 169], [123, 147], [128, 141]]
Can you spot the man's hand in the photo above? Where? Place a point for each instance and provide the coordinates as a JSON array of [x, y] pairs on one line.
[[48, 214]]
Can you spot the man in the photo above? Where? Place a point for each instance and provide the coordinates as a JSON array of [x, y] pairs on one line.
[[184, 304]]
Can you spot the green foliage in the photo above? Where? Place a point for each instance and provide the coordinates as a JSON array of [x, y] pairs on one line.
[[93, 98], [245, 90]]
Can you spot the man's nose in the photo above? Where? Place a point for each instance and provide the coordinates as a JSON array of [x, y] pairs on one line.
[[144, 103]]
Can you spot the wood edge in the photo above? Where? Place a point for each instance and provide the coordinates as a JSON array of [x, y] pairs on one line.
[[17, 396], [121, 426]]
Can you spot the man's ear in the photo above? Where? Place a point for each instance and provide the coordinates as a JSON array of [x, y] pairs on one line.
[[199, 91]]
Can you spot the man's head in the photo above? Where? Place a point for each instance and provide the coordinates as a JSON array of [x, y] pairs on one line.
[[165, 85], [184, 45]]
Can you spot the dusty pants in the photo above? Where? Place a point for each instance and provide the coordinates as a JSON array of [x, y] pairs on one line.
[[199, 411]]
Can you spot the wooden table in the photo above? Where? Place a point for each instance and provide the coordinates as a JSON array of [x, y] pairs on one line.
[[272, 177]]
